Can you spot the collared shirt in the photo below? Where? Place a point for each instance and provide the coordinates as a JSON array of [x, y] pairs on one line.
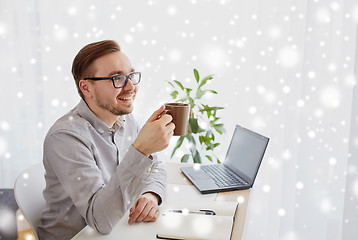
[[93, 173]]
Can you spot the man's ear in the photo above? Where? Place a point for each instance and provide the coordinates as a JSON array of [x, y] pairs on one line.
[[85, 87]]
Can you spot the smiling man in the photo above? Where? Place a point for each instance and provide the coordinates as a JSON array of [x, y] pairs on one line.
[[99, 163]]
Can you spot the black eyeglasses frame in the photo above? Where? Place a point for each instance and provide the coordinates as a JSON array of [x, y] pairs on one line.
[[129, 76]]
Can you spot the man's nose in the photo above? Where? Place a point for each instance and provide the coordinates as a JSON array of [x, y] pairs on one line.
[[129, 86]]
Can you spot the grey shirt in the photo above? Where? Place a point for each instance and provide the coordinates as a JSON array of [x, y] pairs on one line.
[[93, 173]]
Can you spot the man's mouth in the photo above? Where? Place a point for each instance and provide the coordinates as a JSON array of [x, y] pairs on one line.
[[129, 97], [125, 99]]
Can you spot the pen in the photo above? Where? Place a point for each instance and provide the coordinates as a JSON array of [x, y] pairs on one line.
[[201, 211]]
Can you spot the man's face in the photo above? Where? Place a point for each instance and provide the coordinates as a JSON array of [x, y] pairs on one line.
[[118, 101]]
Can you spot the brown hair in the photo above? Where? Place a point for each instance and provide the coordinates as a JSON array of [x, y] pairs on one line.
[[81, 66]]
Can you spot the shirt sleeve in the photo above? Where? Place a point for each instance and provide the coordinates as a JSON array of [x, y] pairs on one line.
[[157, 181], [102, 205]]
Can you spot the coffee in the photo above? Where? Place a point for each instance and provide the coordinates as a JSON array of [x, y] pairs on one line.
[[180, 113]]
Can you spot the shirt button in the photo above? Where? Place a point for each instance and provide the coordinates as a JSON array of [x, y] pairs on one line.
[[149, 169]]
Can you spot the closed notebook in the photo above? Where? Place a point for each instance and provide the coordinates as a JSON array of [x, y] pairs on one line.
[[193, 224]]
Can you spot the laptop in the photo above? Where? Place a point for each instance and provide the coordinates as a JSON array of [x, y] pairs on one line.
[[238, 171]]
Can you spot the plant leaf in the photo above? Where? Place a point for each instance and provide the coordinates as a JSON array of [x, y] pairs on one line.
[[209, 158], [179, 142], [202, 139], [194, 126], [200, 93], [171, 84], [185, 158], [196, 156], [219, 128], [188, 90], [207, 108], [179, 84], [174, 94], [212, 91], [196, 74], [204, 80], [192, 141]]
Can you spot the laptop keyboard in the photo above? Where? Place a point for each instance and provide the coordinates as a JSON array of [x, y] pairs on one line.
[[222, 177]]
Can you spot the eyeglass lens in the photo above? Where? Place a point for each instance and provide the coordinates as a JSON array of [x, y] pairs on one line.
[[121, 80]]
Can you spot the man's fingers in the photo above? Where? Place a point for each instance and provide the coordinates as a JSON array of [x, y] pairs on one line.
[[139, 206], [156, 215], [156, 114], [145, 209], [152, 215], [132, 209], [171, 127], [165, 119], [144, 214]]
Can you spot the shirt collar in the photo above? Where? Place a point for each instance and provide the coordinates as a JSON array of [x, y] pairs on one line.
[[85, 112]]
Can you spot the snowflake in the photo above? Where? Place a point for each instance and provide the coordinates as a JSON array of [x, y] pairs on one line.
[[288, 57], [266, 188], [55, 102], [323, 15], [332, 161], [5, 126], [72, 11], [60, 33], [6, 221], [33, 60], [326, 205], [172, 11], [299, 185], [330, 97], [311, 74], [281, 212], [3, 29], [175, 55]]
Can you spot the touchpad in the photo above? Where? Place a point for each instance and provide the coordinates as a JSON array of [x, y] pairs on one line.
[[199, 175]]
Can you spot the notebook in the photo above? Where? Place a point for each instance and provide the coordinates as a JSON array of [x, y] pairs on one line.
[[239, 169], [189, 225]]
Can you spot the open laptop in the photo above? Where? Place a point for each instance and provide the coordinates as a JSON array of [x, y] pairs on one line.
[[238, 171]]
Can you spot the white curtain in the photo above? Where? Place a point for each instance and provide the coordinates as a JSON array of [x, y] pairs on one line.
[[285, 69]]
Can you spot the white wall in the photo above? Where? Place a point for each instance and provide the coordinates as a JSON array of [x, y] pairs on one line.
[[282, 68]]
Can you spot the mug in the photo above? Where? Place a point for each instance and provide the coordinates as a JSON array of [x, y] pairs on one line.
[[180, 114]]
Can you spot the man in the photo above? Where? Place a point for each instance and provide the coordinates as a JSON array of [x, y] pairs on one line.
[[98, 163]]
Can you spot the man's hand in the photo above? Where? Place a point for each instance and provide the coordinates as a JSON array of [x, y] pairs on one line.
[[155, 134], [145, 209]]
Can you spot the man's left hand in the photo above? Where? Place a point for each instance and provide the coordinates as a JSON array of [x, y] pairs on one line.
[[146, 209]]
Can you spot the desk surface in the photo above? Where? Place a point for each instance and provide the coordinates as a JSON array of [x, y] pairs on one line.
[[175, 176]]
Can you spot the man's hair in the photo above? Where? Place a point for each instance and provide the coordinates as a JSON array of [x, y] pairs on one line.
[[82, 64]]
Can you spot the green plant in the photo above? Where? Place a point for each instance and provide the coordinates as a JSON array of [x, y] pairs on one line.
[[201, 139]]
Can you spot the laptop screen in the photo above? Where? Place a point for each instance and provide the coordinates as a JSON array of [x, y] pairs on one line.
[[245, 153]]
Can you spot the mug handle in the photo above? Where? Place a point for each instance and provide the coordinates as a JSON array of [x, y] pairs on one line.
[[163, 113]]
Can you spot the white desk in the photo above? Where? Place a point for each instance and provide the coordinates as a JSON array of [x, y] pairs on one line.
[[175, 176]]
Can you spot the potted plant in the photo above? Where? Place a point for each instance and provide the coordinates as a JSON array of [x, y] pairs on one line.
[[204, 123]]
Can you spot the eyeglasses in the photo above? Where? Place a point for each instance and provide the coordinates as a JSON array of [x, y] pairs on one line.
[[120, 81]]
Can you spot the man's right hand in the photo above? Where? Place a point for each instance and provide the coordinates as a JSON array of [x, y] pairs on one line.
[[155, 134]]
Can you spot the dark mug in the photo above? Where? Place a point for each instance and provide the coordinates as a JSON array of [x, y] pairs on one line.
[[180, 114]]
